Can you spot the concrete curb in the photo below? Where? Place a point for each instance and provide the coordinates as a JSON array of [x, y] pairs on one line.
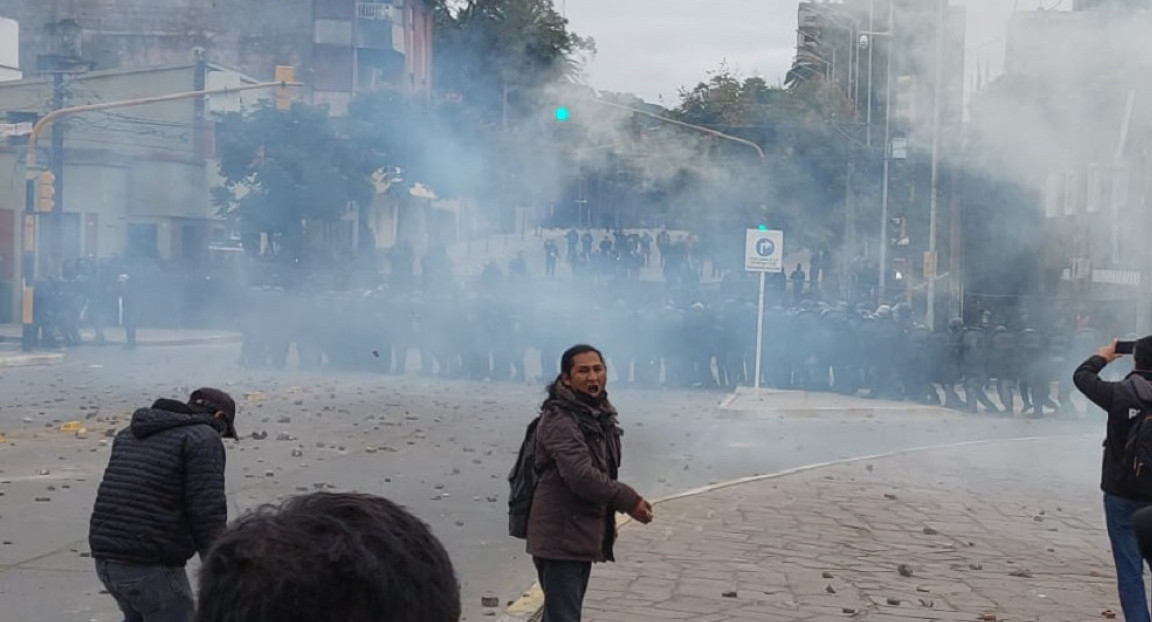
[[29, 360], [148, 343], [525, 608], [531, 602], [191, 341], [806, 399]]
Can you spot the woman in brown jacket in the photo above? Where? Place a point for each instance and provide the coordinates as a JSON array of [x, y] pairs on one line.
[[573, 519]]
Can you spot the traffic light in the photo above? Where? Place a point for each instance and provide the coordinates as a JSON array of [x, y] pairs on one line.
[[284, 73], [898, 232], [563, 114], [46, 192]]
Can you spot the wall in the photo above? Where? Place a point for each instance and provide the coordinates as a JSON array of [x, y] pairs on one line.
[[418, 60], [1058, 122], [123, 167], [9, 50], [1089, 5], [251, 35]]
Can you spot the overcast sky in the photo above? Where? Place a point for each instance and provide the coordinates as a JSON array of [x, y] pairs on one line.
[[654, 47]]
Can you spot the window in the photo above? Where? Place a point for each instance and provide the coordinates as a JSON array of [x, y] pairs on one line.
[[333, 9], [142, 241], [332, 67]]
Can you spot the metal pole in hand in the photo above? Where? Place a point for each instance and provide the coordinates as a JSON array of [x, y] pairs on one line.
[[759, 332]]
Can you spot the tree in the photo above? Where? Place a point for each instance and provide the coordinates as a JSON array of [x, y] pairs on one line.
[[800, 184], [501, 55], [413, 137], [285, 169]]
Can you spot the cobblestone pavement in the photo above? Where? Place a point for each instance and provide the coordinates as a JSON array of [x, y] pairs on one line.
[[1004, 530]]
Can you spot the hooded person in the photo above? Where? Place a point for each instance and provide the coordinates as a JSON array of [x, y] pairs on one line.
[[160, 502], [1127, 402]]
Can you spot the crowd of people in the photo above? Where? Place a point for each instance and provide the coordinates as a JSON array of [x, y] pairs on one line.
[[511, 324], [129, 293], [351, 556], [646, 293]]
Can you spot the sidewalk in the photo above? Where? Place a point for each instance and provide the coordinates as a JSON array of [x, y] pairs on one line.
[[12, 356], [1005, 530], [767, 402], [11, 333]]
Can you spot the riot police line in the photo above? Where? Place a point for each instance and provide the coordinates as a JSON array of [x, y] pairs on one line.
[[99, 294], [663, 334]]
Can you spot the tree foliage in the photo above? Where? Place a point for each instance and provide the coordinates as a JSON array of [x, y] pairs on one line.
[[494, 51], [806, 137], [285, 169]]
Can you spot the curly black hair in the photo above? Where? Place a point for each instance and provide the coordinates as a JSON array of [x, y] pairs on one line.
[[340, 557]]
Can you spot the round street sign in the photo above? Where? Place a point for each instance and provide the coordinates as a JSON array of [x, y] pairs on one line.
[[765, 247]]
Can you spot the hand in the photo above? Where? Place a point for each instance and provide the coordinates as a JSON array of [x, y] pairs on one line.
[[642, 512], [1108, 352]]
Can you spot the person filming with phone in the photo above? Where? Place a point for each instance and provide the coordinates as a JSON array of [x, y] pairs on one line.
[[1126, 476]]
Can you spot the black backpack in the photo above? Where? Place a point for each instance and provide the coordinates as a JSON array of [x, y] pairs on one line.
[[1137, 455], [522, 483]]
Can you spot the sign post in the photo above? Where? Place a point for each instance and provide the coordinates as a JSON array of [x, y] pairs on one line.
[[763, 253]]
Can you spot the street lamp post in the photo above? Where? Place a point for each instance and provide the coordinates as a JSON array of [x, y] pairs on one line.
[[882, 284], [698, 128], [871, 55], [934, 199]]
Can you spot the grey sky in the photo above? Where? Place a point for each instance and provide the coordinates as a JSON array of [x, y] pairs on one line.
[[654, 47]]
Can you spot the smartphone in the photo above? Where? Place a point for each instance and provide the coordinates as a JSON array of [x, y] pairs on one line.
[[1125, 347]]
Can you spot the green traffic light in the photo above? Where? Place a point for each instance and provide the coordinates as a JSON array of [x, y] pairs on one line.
[[562, 114], [763, 227]]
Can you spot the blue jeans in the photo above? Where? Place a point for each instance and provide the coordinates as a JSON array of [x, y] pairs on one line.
[[1126, 553], [148, 593]]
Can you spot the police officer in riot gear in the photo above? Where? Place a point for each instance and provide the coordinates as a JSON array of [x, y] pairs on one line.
[[1003, 366], [974, 360]]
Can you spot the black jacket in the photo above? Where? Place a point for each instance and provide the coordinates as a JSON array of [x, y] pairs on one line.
[[1122, 400], [162, 498]]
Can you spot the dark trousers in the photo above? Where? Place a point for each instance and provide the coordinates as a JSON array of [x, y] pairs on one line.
[[564, 583], [148, 593]]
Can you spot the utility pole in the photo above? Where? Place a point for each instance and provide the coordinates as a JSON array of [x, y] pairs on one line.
[[934, 199], [883, 272], [56, 165], [955, 251], [871, 54], [846, 292]]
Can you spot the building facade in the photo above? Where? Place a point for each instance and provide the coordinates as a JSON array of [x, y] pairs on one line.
[[339, 46], [1070, 120], [9, 50], [848, 44], [900, 67], [1120, 5], [135, 181]]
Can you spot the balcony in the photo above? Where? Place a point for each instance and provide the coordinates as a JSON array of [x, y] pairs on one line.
[[379, 26], [378, 12]]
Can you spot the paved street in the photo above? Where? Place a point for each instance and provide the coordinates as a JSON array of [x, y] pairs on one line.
[[442, 448], [1007, 530]]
